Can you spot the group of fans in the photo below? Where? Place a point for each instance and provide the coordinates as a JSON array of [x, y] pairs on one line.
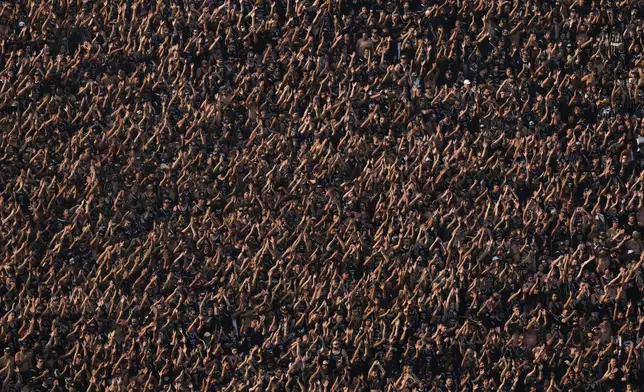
[[327, 195]]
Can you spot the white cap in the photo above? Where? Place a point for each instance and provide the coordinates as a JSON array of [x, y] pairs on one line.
[[21, 24], [467, 81]]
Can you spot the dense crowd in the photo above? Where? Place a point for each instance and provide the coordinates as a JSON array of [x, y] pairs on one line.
[[328, 195]]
